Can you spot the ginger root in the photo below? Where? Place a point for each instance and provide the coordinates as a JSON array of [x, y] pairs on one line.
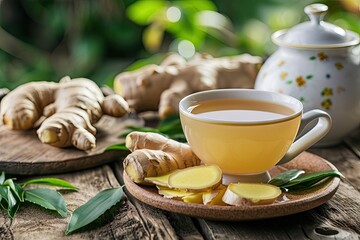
[[71, 107], [240, 194], [155, 155], [22, 108], [161, 87]]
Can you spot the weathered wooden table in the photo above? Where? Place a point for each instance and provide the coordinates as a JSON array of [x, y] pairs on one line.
[[339, 218]]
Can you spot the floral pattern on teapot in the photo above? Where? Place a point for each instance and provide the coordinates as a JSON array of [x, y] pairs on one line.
[[301, 80]]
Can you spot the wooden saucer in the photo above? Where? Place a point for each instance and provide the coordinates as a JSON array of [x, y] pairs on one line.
[[22, 153], [294, 203]]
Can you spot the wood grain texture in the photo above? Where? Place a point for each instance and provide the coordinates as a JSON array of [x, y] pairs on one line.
[[22, 153], [161, 224], [337, 219], [353, 141], [32, 222], [344, 159]]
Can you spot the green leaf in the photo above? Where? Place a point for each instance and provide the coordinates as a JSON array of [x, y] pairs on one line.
[[285, 177], [11, 199], [94, 208], [170, 125], [15, 188], [12, 211], [3, 204], [120, 147], [144, 12], [310, 179], [168, 121], [3, 193], [8, 201], [19, 192], [7, 195], [48, 199], [2, 178], [50, 181]]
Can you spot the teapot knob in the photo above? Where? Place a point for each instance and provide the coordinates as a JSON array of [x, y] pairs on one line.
[[316, 12]]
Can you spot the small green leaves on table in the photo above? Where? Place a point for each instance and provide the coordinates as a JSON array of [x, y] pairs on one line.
[[12, 194], [50, 181], [94, 208], [48, 199]]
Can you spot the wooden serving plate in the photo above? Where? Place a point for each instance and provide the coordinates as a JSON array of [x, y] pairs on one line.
[[292, 203], [21, 152]]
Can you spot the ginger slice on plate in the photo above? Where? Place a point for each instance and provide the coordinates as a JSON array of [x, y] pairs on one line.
[[173, 193], [214, 197], [194, 198], [162, 180], [240, 194], [196, 179]]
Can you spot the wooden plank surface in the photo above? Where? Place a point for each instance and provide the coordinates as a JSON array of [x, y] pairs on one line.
[[21, 152]]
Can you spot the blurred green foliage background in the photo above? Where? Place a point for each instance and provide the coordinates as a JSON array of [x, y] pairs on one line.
[[47, 39]]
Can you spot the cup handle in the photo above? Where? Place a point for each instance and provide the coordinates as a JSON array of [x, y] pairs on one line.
[[312, 136]]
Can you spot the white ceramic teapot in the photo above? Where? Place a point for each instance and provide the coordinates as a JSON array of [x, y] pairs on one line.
[[316, 63]]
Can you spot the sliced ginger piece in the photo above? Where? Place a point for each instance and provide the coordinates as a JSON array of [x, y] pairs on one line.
[[214, 197], [196, 179], [172, 193], [162, 180], [194, 198], [239, 194]]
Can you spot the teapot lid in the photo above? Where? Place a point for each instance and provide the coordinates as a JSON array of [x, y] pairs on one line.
[[315, 33]]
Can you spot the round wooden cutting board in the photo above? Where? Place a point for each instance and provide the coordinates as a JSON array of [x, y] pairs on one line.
[[21, 152]]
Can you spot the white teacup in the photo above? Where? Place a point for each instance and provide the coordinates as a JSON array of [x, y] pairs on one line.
[[246, 132]]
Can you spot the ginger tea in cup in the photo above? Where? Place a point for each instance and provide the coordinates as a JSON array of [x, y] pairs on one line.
[[246, 132]]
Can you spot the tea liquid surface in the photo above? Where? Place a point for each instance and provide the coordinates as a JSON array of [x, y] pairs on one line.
[[240, 110]]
